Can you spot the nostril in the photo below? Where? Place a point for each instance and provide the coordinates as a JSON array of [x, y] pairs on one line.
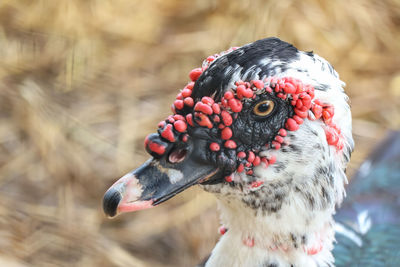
[[177, 155]]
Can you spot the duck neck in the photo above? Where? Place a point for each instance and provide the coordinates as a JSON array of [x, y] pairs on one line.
[[290, 236]]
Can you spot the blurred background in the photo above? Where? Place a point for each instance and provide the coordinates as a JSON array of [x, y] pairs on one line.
[[82, 82]]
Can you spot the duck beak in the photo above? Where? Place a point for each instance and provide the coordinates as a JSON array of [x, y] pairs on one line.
[[156, 181]]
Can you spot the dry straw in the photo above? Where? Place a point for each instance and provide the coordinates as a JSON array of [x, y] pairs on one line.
[[82, 83]]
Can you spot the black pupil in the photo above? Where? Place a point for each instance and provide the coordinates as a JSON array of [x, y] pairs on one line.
[[263, 107]]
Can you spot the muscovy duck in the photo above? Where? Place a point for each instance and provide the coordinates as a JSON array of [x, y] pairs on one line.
[[267, 129]]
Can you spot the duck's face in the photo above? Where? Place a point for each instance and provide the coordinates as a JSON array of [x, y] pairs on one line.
[[245, 127]]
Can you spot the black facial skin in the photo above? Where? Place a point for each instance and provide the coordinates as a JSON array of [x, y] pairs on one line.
[[252, 132], [225, 159]]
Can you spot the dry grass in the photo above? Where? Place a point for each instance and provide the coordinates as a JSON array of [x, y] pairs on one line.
[[82, 83]]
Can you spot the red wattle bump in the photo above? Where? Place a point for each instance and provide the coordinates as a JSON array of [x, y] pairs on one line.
[[258, 84], [242, 91], [276, 145], [189, 119], [299, 87], [178, 104], [228, 95], [204, 121], [185, 138], [180, 126], [298, 119], [317, 110], [307, 103], [330, 109], [301, 114], [210, 59], [256, 161], [171, 119], [230, 144], [226, 118], [188, 101], [190, 85], [248, 93], [306, 100], [272, 159], [154, 147], [195, 74], [206, 109], [251, 157], [186, 92], [291, 125], [179, 96], [279, 139], [241, 155], [282, 132], [249, 172], [229, 178], [216, 119], [331, 136], [224, 103], [215, 107], [310, 91], [299, 103], [168, 134], [326, 114], [161, 124], [214, 147], [289, 88], [222, 230], [277, 88], [226, 133], [235, 105], [239, 91], [178, 117], [207, 100], [318, 102]]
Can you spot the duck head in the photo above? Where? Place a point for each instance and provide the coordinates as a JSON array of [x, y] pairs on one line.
[[266, 128]]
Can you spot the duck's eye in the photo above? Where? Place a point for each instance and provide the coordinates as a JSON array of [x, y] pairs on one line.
[[264, 108]]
